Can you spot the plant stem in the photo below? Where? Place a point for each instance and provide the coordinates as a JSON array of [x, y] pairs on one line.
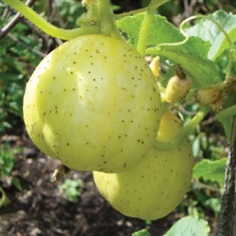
[[184, 133], [46, 27], [227, 219], [105, 17], [200, 185], [144, 30], [145, 26], [230, 64]]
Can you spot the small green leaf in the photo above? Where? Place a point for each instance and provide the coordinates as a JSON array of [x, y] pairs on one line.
[[142, 232], [7, 160], [4, 200], [214, 204], [17, 184], [189, 226], [72, 189], [211, 170]]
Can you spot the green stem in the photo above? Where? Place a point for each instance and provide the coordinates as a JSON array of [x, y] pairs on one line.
[[230, 65], [185, 132], [146, 24], [107, 23], [226, 113], [144, 30], [200, 185], [106, 17], [46, 27]]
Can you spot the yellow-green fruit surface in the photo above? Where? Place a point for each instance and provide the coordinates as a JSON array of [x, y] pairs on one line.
[[155, 186], [94, 104]]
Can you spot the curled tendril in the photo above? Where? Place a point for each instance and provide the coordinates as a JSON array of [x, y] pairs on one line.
[[181, 28]]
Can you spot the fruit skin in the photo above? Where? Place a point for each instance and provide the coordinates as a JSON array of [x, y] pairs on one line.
[[156, 185], [94, 104]]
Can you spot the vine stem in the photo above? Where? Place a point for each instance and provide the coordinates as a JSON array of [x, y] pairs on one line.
[[230, 65], [184, 133], [105, 16], [107, 22], [46, 27], [227, 219], [144, 30], [146, 24]]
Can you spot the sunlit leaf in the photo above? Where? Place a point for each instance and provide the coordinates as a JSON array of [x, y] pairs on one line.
[[189, 226], [142, 232], [211, 170], [209, 31]]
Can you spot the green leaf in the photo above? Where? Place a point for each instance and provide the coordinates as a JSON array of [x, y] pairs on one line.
[[225, 116], [227, 124], [4, 200], [142, 232], [72, 189], [17, 184], [192, 55], [209, 31], [211, 170], [7, 160], [214, 204], [161, 31], [189, 226]]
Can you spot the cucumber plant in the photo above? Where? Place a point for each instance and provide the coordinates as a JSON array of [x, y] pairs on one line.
[[113, 131]]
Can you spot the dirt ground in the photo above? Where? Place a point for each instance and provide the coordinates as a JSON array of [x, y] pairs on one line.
[[41, 209]]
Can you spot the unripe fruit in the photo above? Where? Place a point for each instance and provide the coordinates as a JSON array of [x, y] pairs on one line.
[[155, 186], [94, 104], [155, 67], [177, 89]]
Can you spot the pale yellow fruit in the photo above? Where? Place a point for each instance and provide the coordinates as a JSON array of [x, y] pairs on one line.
[[94, 104], [156, 185]]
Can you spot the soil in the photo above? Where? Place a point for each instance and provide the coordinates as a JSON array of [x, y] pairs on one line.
[[41, 209]]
